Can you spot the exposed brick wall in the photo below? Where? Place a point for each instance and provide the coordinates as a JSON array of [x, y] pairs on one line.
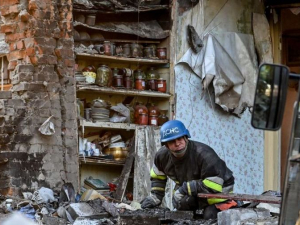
[[41, 64]]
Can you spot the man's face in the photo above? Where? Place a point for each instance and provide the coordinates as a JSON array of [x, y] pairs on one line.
[[177, 146]]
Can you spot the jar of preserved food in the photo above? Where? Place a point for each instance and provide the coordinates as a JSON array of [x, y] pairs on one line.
[[138, 109], [107, 48], [153, 110], [153, 120], [115, 72], [103, 76], [161, 53], [126, 50], [128, 82], [151, 76], [143, 119], [90, 74], [161, 85], [151, 73], [140, 83], [118, 81], [126, 72], [151, 85], [148, 53], [162, 117], [139, 74]]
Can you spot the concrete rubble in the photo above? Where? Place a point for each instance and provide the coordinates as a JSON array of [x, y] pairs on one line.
[[45, 207]]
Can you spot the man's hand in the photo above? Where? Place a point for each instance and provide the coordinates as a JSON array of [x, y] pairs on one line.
[[177, 198], [184, 202], [189, 188], [150, 202]]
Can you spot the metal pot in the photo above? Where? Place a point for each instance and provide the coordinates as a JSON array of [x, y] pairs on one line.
[[117, 152]]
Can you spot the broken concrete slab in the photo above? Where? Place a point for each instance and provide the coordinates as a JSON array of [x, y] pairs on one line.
[[84, 210], [234, 216], [179, 215], [90, 221], [146, 217], [50, 220], [268, 221]]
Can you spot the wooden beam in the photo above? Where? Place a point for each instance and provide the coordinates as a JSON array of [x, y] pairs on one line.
[[123, 180], [244, 197]]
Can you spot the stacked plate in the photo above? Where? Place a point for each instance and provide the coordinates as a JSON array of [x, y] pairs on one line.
[[79, 77], [100, 114]]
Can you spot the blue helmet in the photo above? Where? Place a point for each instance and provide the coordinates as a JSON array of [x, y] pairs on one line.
[[172, 130]]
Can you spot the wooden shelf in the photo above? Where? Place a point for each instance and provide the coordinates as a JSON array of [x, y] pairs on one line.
[[127, 10], [108, 125], [120, 41], [128, 92], [99, 161], [106, 58]]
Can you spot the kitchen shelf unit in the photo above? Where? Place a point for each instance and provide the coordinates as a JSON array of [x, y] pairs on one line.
[[91, 91]]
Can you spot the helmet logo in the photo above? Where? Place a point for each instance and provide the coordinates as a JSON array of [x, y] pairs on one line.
[[167, 132]]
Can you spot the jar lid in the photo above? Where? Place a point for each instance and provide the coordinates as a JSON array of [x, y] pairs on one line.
[[140, 78], [118, 76], [160, 78]]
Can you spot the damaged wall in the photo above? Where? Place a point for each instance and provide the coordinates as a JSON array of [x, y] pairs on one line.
[[41, 65], [233, 138]]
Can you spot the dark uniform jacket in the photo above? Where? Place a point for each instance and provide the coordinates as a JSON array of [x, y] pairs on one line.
[[200, 163]]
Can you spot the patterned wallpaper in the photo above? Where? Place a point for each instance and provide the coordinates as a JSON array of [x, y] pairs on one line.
[[233, 138]]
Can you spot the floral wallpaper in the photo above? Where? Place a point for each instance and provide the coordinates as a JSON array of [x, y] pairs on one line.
[[233, 138]]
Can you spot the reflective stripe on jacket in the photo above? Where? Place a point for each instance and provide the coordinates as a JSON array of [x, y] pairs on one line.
[[200, 163]]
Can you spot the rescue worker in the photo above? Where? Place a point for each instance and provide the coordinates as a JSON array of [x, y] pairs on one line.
[[195, 168]]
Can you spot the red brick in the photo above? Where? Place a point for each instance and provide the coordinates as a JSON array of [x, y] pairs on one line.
[[8, 28], [30, 51], [12, 65], [9, 2], [69, 62], [15, 55], [24, 16], [20, 45], [14, 37], [32, 5], [12, 47], [13, 9]]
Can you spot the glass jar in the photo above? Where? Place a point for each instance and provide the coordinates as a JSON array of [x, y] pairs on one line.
[[153, 120], [139, 109], [151, 73], [139, 77], [161, 85], [103, 76], [126, 72], [151, 76], [128, 82], [151, 85], [140, 83], [126, 50], [139, 74], [143, 119], [148, 53], [161, 53], [153, 110], [162, 117], [118, 81], [115, 72]]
